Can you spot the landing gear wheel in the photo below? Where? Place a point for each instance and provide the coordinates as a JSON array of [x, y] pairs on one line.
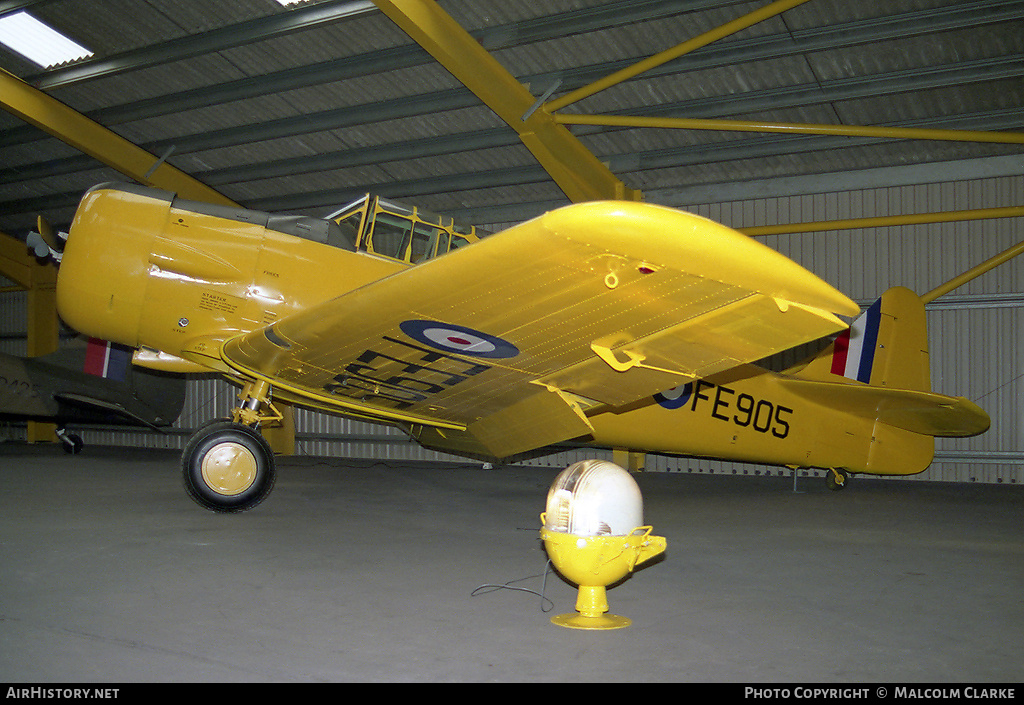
[[72, 443], [836, 479], [228, 467]]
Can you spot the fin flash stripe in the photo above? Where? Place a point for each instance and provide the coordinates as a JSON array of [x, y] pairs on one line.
[[854, 352]]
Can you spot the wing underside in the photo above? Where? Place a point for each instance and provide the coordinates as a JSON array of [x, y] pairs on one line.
[[512, 340]]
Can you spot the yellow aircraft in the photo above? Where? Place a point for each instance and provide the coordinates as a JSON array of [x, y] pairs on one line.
[[620, 324]]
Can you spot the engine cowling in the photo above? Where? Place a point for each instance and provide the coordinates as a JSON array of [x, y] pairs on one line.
[[145, 269]]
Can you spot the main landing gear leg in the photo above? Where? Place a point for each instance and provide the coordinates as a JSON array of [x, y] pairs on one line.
[[227, 465]]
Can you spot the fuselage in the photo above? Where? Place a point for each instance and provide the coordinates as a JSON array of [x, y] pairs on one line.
[[176, 279], [749, 415]]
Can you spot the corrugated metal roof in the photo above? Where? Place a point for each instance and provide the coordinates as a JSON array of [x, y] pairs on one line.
[[282, 109]]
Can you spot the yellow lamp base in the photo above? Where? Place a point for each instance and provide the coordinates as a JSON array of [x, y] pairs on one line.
[[591, 611], [582, 621], [593, 562]]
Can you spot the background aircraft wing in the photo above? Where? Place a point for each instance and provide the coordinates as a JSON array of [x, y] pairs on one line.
[[83, 381], [513, 338]]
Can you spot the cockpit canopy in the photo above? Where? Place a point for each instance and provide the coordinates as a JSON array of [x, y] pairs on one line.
[[401, 232]]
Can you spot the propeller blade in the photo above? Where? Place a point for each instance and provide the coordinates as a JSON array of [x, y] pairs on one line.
[[46, 232], [46, 243]]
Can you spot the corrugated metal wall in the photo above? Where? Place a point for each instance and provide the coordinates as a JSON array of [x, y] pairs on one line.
[[974, 331], [12, 320]]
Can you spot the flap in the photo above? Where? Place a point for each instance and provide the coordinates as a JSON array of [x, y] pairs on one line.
[[608, 301], [545, 418]]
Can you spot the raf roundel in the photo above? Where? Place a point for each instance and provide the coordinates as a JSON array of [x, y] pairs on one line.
[[676, 397], [458, 339]]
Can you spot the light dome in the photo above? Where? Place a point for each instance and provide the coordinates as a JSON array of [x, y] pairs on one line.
[[594, 498]]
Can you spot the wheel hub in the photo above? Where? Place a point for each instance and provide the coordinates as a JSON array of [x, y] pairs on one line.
[[229, 468]]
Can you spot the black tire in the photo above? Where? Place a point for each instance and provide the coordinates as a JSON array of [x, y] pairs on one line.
[[72, 443], [227, 467]]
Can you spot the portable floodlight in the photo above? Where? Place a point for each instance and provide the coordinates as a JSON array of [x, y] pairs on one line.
[[594, 535]]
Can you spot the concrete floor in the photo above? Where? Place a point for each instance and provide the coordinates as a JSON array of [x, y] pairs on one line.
[[361, 571]]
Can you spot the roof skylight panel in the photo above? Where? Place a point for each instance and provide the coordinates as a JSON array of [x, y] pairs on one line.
[[38, 42]]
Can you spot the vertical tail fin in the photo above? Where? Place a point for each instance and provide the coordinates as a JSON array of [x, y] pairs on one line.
[[878, 371], [887, 346]]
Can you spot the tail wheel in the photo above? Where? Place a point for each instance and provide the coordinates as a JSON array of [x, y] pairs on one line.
[[72, 443], [228, 467], [836, 478]]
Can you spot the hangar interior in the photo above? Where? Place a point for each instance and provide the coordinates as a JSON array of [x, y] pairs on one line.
[[875, 143], [892, 126]]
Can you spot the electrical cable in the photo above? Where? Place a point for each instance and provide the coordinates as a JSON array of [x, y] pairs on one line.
[[546, 603]]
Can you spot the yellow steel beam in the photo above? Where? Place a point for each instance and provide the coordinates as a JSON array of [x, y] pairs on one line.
[[15, 263], [974, 272], [56, 118], [913, 219], [42, 331], [732, 27], [580, 175], [748, 20], [42, 328], [885, 221], [40, 280], [912, 133]]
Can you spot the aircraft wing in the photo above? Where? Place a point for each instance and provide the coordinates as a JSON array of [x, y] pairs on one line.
[[513, 338], [85, 400]]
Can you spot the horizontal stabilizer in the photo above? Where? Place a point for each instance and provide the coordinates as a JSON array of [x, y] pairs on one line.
[[921, 412]]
